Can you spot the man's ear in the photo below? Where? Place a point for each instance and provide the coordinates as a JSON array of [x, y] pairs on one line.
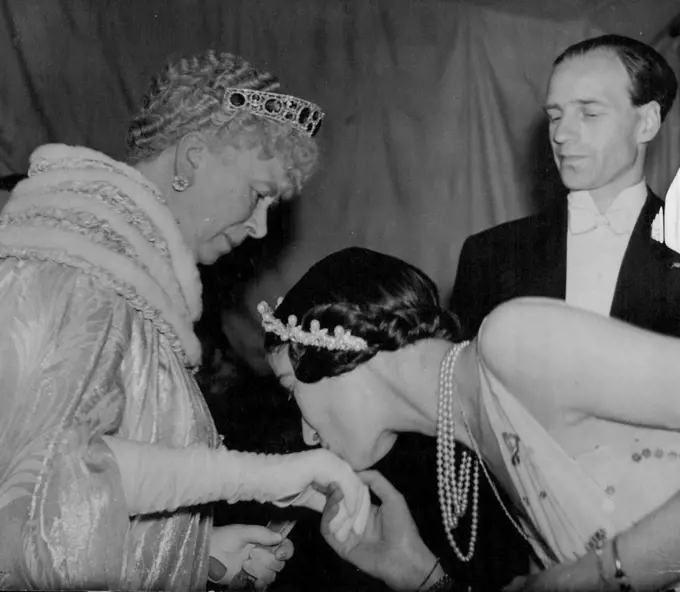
[[650, 122]]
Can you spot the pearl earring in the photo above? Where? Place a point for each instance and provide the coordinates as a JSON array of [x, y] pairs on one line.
[[180, 183]]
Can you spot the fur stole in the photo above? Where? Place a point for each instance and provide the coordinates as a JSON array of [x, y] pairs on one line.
[[81, 208]]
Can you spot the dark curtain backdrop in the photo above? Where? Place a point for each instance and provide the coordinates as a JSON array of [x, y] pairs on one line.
[[434, 127]]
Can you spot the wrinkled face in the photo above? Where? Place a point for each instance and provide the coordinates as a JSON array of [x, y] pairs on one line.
[[229, 199], [341, 413], [593, 124]]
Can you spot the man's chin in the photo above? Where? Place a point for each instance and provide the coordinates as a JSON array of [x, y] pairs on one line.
[[574, 182]]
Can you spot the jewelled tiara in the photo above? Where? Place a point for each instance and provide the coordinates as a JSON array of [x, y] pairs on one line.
[[304, 116], [316, 336]]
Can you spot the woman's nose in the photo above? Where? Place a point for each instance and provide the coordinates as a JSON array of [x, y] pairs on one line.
[[257, 224]]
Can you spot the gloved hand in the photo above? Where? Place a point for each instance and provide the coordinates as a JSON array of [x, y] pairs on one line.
[[342, 523], [287, 479], [159, 478], [232, 548]]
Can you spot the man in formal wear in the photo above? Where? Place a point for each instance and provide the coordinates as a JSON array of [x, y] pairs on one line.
[[593, 247]]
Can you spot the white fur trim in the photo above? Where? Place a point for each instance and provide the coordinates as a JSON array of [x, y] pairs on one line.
[[167, 280], [132, 182], [158, 267], [119, 266]]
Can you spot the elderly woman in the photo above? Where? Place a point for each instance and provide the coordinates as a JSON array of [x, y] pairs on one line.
[[108, 455], [575, 414]]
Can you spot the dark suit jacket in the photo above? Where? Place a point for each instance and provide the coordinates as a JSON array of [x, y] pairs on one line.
[[528, 257]]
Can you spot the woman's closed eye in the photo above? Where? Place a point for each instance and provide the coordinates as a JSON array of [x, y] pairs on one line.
[[256, 196], [265, 191]]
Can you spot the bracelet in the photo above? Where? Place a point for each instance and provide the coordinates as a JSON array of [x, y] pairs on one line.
[[427, 577], [619, 575], [443, 584]]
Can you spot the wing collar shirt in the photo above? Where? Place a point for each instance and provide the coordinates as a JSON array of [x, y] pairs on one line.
[[596, 244]]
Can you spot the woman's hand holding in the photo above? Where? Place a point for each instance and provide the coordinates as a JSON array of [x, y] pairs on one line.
[[260, 552], [311, 472], [390, 548]]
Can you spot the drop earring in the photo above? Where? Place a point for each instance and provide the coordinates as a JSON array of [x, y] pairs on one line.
[[180, 183]]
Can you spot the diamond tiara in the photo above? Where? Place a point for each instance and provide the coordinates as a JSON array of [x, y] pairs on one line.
[[304, 116], [316, 336]]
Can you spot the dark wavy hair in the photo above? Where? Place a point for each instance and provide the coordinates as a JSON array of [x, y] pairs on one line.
[[651, 77], [380, 298]]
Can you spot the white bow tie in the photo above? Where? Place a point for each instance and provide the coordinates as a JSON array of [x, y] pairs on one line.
[[582, 220]]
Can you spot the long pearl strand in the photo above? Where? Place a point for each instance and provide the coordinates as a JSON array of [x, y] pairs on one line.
[[454, 490]]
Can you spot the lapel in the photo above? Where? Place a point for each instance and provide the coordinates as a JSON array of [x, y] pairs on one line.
[[546, 271], [640, 285], [647, 292]]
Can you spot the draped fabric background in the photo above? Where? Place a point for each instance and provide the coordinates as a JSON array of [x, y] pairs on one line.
[[434, 127]]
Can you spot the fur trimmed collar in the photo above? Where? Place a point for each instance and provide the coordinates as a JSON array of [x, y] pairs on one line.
[[82, 206]]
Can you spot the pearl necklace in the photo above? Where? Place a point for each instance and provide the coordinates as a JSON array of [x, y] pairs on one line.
[[453, 492]]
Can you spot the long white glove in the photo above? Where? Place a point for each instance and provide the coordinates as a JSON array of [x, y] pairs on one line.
[[159, 478]]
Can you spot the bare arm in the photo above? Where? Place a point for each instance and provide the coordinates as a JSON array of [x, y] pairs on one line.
[[649, 553], [550, 354]]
